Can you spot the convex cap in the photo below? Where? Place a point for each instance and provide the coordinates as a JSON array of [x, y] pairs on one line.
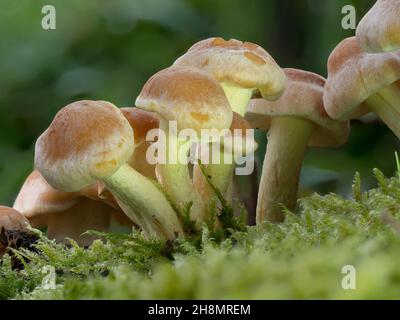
[[379, 29], [354, 76], [189, 96], [86, 141], [12, 220], [241, 64]]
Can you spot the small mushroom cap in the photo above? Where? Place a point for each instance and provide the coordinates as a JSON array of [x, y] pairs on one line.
[[38, 201], [141, 122], [12, 220], [87, 141], [354, 76], [37, 197], [303, 99], [241, 64], [379, 29], [189, 96]]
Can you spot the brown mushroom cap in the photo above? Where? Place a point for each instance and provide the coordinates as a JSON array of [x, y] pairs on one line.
[[354, 76], [189, 96], [379, 29], [303, 99], [87, 140], [37, 200], [242, 64], [12, 220], [141, 122]]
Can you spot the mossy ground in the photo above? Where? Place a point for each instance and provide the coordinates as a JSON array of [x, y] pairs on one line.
[[301, 258]]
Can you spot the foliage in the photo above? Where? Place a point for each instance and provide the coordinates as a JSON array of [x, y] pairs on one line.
[[300, 258]]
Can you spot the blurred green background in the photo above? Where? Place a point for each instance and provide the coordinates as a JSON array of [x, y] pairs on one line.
[[108, 49]]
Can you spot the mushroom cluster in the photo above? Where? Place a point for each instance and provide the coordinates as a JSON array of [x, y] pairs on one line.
[[92, 164]]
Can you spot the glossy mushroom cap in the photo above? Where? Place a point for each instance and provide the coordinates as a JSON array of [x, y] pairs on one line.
[[379, 29], [189, 96], [303, 99], [354, 75], [87, 140], [241, 64], [12, 220]]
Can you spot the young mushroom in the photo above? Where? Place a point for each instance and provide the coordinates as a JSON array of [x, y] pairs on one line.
[[359, 83], [240, 67], [91, 141], [10, 221], [191, 99], [66, 214], [379, 29], [295, 121]]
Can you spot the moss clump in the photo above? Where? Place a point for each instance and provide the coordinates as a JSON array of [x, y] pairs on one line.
[[300, 258]]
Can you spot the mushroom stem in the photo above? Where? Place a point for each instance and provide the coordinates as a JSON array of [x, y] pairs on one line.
[[238, 98], [287, 141], [385, 111], [175, 177], [86, 215], [221, 178], [144, 203], [391, 94]]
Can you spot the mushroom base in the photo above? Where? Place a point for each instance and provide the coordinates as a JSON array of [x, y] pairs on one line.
[[72, 223], [175, 178], [287, 141], [144, 203]]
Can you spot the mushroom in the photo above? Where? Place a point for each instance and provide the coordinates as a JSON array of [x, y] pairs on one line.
[[91, 141], [10, 221], [379, 29], [66, 214], [240, 67], [359, 83], [196, 101], [237, 145], [295, 121]]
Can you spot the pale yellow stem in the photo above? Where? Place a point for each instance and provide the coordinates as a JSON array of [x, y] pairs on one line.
[[287, 141]]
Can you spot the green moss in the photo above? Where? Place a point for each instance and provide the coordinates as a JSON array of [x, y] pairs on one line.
[[300, 258]]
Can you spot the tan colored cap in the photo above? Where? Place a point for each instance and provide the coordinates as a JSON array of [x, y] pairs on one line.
[[37, 200], [141, 122], [303, 99], [354, 76], [241, 64], [12, 220], [379, 29], [189, 96], [87, 140]]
